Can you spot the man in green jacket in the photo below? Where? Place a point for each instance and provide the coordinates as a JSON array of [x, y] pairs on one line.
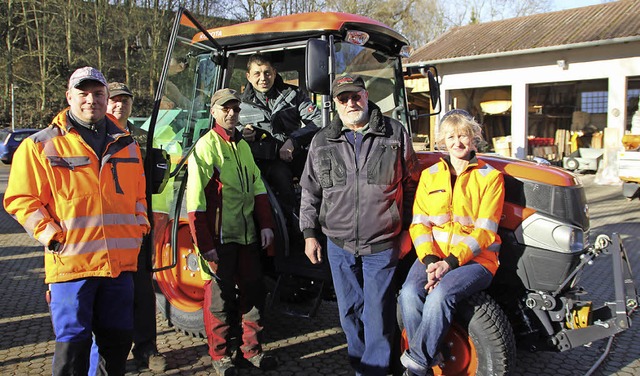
[[224, 194]]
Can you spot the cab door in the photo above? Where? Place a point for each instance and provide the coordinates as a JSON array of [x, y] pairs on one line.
[[191, 73]]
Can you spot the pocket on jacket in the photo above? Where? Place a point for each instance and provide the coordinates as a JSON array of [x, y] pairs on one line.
[[70, 176], [331, 169], [383, 168]]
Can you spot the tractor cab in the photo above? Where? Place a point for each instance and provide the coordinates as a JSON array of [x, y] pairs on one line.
[[308, 51]]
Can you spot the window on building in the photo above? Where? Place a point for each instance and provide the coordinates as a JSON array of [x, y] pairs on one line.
[[594, 102], [633, 97]]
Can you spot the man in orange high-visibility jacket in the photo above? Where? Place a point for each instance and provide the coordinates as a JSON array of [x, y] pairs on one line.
[[78, 187]]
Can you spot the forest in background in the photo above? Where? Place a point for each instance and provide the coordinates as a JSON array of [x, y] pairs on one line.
[[45, 41]]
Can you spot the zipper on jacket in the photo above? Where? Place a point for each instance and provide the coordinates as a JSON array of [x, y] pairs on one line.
[[453, 189], [114, 170], [243, 185], [357, 250]]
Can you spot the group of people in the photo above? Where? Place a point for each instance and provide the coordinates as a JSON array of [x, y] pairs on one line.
[[358, 187], [83, 197]]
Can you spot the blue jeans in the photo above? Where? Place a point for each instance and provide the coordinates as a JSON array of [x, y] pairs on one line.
[[427, 317], [366, 302], [99, 305]]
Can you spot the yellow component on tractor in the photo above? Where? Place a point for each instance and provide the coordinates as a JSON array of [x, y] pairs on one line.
[[580, 316]]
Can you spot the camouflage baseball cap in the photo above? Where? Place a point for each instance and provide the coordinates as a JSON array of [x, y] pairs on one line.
[[86, 74]]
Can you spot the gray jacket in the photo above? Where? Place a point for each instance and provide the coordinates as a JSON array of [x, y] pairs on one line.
[[290, 114], [359, 207]]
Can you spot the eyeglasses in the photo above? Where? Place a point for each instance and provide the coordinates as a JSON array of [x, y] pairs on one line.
[[344, 97], [226, 110]]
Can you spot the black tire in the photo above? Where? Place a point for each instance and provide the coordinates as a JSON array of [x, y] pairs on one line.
[[490, 333], [482, 320], [189, 323], [572, 164]]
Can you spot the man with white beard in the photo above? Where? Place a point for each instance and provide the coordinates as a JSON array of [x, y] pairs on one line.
[[358, 178]]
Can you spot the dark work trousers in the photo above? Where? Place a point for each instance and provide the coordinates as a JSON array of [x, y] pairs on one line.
[[99, 305], [144, 306], [224, 306]]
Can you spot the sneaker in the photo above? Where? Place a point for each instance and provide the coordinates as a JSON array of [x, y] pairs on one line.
[[264, 362], [224, 367], [152, 360]]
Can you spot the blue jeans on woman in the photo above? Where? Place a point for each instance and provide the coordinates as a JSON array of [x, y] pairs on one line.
[[366, 302], [427, 317]]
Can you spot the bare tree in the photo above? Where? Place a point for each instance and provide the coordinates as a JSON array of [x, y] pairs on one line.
[[423, 20], [462, 12]]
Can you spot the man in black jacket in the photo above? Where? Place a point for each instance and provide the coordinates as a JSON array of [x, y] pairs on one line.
[[357, 181], [279, 121]]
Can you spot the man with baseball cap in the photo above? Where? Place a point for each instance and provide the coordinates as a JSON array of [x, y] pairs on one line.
[[226, 205], [360, 173], [145, 349], [80, 191], [120, 104]]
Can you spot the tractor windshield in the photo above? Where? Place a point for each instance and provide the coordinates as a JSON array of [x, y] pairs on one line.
[[382, 75]]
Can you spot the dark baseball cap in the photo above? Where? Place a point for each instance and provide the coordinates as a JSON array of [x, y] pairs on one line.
[[347, 82], [86, 74], [223, 96], [118, 88]]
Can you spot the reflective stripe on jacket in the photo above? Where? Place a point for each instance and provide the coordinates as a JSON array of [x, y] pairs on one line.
[[461, 221], [95, 207]]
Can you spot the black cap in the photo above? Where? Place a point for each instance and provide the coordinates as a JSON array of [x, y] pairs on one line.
[[118, 88], [346, 83]]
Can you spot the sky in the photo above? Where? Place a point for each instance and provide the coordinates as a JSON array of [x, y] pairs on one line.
[[567, 4]]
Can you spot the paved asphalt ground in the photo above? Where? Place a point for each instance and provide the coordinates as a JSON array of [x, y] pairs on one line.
[[305, 346]]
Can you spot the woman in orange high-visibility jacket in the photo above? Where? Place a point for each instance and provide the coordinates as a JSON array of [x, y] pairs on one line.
[[456, 214]]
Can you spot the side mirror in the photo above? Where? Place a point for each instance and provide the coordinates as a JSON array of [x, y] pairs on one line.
[[434, 89], [317, 66]]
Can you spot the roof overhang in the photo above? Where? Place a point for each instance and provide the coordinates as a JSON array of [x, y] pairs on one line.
[[529, 51]]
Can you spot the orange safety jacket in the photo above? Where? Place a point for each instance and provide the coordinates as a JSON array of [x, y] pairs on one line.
[[460, 223], [94, 207]]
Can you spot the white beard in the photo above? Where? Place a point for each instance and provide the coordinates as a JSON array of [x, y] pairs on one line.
[[356, 118]]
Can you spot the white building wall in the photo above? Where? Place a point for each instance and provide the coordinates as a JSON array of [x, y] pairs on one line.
[[613, 62]]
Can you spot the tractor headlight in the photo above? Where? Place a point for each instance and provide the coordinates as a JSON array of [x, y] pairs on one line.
[[569, 238], [548, 233]]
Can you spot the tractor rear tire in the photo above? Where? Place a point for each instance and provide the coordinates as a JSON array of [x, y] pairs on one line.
[[190, 323], [490, 332]]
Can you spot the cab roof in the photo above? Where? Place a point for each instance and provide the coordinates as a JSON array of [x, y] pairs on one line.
[[301, 26]]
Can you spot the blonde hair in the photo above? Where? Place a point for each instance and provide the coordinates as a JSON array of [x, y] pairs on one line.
[[458, 121]]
